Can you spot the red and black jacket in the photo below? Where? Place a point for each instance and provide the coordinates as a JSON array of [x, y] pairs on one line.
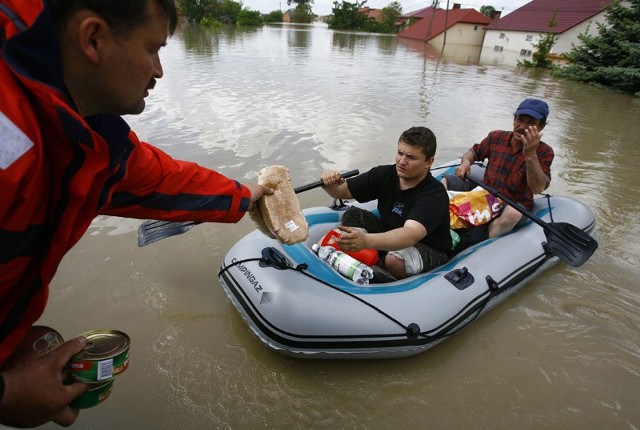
[[59, 170]]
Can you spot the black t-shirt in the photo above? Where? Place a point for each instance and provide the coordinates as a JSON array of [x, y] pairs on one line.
[[426, 203]]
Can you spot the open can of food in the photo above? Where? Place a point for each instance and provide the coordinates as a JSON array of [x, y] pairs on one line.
[[104, 357]]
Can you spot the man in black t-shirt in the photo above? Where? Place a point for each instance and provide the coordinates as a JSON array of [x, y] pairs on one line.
[[413, 227]]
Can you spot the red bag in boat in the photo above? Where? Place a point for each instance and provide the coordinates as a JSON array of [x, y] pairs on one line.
[[366, 256]]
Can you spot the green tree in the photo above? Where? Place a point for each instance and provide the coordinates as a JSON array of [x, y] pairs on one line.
[[211, 12], [302, 12], [196, 10], [390, 16], [274, 16], [302, 15], [612, 57], [250, 18], [230, 11], [487, 10], [300, 2], [543, 48], [345, 16]]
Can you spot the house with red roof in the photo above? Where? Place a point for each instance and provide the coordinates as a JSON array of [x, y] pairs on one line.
[[523, 28], [440, 26], [374, 14]]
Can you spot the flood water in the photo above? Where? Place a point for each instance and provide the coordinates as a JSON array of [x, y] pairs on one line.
[[562, 353]]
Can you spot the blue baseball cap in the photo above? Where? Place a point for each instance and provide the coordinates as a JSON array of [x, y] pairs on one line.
[[533, 107]]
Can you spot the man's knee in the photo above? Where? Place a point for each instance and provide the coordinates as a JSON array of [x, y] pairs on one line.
[[505, 222], [404, 262], [395, 266]]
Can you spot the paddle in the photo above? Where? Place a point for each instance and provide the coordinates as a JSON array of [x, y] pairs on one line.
[[152, 230], [568, 242]]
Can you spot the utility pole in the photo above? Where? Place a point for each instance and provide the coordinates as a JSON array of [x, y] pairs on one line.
[[434, 5], [446, 23]]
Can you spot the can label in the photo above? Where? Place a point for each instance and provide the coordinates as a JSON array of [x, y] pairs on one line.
[[105, 356], [94, 396]]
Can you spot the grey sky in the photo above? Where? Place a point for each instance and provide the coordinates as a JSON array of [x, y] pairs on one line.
[[323, 7]]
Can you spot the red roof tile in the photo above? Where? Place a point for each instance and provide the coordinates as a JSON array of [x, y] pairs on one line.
[[419, 29], [416, 13], [535, 16], [375, 14]]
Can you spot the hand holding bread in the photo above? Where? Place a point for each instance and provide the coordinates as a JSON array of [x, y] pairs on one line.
[[278, 214]]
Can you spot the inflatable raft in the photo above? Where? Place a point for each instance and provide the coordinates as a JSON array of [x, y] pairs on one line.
[[297, 305]]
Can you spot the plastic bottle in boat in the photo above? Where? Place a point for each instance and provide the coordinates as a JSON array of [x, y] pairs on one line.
[[345, 264], [366, 256]]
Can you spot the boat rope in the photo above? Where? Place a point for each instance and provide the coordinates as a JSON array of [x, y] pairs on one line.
[[412, 330], [471, 316]]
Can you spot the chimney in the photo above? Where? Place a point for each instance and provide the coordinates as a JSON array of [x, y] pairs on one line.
[[456, 6], [496, 15]]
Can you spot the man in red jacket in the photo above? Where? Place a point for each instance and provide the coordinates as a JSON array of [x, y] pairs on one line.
[[68, 70]]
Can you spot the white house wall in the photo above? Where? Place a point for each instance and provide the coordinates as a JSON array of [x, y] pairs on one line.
[[517, 41], [569, 37], [461, 34]]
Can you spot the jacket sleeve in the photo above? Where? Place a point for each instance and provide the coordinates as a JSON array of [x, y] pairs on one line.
[[156, 186]]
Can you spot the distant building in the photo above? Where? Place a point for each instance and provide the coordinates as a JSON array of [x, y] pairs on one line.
[[374, 14], [440, 26], [522, 29]]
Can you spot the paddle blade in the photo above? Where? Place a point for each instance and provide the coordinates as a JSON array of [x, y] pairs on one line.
[[569, 243], [152, 231]]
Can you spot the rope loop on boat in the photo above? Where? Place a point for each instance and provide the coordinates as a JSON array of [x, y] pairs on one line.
[[409, 330], [272, 258]]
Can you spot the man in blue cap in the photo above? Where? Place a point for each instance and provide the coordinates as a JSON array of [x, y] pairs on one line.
[[518, 165]]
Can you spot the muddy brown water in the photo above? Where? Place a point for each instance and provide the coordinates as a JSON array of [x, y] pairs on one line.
[[562, 353]]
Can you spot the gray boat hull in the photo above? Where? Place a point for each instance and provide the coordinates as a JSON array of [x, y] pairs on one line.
[[298, 306]]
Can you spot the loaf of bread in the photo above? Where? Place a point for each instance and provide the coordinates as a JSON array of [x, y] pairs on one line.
[[280, 211], [256, 215]]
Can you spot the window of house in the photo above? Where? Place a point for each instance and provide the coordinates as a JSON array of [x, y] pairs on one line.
[[475, 28], [525, 52], [498, 48], [529, 38], [502, 35]]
